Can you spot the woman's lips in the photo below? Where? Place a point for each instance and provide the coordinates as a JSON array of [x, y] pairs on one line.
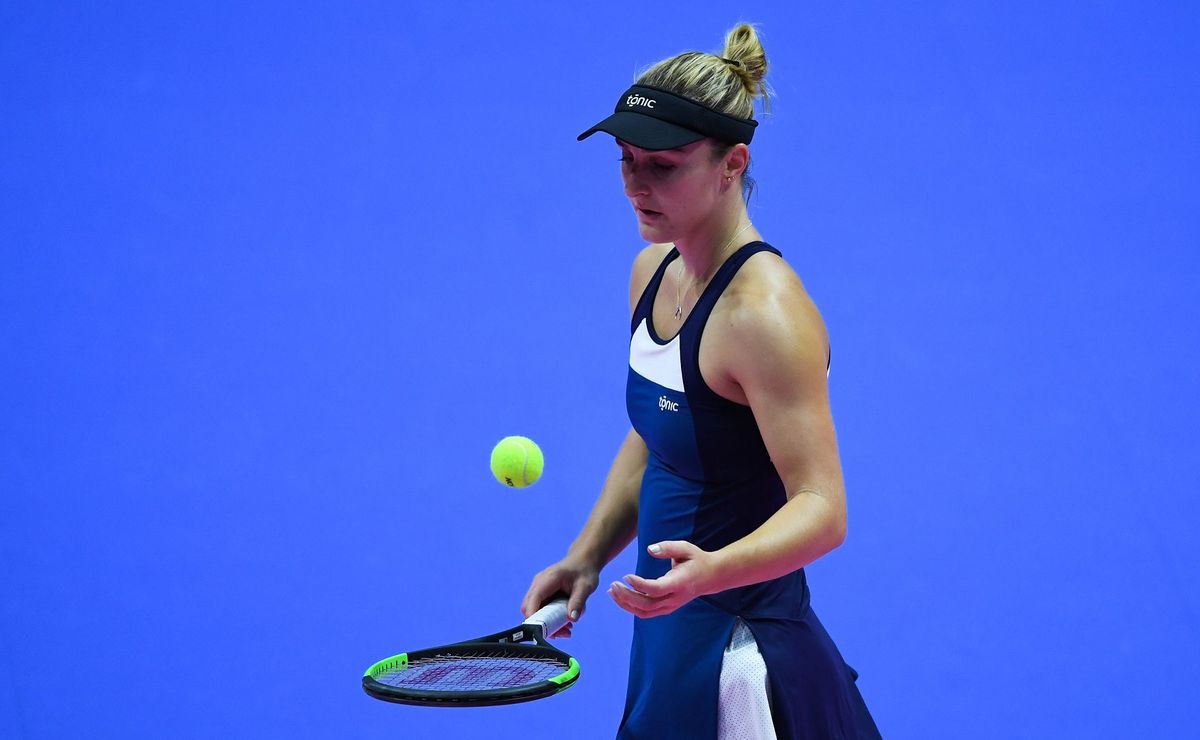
[[648, 214]]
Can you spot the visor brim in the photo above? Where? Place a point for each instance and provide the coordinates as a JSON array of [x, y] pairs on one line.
[[645, 132]]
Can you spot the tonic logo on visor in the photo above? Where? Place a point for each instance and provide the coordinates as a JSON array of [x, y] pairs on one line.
[[636, 100], [653, 118]]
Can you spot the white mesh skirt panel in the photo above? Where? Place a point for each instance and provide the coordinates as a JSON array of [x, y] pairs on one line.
[[744, 712]]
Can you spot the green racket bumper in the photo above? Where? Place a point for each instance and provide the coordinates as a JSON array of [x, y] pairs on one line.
[[387, 665], [566, 680]]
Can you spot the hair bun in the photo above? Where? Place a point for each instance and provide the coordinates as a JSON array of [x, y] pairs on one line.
[[730, 82], [742, 46]]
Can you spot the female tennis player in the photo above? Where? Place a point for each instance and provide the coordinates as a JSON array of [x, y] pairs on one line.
[[730, 476]]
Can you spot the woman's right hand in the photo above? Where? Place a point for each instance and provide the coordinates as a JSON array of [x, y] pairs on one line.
[[572, 577]]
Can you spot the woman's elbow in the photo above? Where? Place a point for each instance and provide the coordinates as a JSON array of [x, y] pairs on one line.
[[837, 529]]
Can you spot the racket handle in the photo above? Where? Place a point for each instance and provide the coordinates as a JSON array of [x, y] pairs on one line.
[[550, 617]]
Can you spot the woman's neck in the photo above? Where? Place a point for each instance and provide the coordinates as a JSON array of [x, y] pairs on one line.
[[703, 250]]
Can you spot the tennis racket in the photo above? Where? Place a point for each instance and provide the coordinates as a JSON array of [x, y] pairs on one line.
[[503, 668]]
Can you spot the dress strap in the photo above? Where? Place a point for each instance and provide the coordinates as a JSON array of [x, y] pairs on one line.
[[724, 276], [646, 303], [693, 328]]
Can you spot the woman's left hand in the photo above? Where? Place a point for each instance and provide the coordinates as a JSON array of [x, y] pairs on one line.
[[692, 574]]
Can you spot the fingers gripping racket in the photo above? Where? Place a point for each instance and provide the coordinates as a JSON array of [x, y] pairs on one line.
[[503, 668]]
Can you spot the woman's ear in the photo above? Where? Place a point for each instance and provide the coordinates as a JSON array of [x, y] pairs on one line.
[[736, 161]]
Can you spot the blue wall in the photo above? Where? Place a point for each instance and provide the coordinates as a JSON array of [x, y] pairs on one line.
[[274, 280]]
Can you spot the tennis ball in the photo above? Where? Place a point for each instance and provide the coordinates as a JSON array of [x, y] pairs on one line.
[[517, 462]]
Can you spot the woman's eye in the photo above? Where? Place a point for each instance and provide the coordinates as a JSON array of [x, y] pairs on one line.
[[655, 165]]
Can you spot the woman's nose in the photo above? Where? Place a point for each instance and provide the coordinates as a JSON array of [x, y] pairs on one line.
[[634, 185]]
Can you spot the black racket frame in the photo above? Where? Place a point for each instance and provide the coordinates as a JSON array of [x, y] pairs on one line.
[[508, 643]]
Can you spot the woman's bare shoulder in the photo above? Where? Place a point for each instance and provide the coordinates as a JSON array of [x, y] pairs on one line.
[[648, 260], [767, 292], [644, 266]]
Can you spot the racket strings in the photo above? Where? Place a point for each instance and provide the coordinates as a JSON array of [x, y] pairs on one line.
[[480, 671]]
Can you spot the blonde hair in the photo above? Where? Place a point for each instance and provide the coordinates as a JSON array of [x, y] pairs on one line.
[[713, 82]]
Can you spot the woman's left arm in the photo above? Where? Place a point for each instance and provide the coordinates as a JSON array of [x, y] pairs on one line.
[[780, 365]]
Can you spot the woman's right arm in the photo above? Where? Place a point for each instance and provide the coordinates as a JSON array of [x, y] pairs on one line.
[[610, 527], [613, 521]]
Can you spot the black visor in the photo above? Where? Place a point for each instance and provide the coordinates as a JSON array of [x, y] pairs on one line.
[[651, 118]]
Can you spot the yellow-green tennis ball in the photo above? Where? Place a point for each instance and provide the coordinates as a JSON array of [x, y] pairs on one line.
[[517, 462]]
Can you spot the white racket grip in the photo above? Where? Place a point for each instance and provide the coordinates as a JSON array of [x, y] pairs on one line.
[[551, 617]]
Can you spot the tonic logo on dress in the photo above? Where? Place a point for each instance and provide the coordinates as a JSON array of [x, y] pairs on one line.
[[635, 100], [666, 404]]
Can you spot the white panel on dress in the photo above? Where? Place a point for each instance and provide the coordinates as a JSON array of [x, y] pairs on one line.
[[744, 711], [658, 363]]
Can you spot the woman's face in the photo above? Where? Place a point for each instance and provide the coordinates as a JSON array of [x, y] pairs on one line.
[[672, 191]]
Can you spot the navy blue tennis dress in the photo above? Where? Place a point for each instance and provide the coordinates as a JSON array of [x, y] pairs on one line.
[[710, 481]]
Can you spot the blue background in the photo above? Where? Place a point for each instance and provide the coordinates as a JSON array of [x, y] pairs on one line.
[[275, 279]]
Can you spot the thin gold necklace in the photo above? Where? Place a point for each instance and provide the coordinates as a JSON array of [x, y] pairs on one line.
[[679, 276]]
